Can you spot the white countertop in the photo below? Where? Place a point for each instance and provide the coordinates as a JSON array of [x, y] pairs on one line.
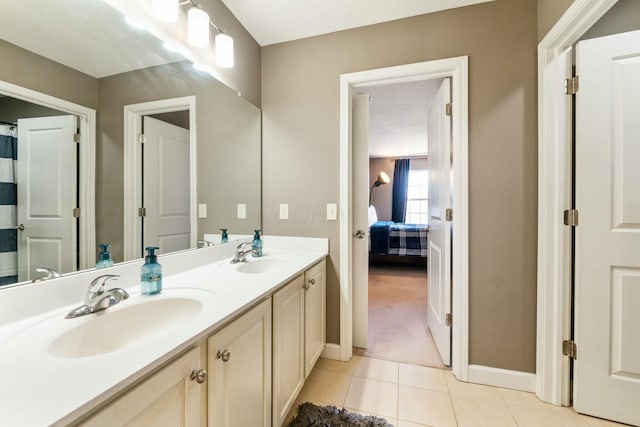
[[40, 388]]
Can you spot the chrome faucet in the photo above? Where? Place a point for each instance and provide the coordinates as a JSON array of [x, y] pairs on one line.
[[97, 298], [50, 274], [241, 254], [205, 244]]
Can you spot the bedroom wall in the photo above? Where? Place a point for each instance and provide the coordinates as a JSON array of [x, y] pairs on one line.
[[382, 195], [549, 11], [300, 100]]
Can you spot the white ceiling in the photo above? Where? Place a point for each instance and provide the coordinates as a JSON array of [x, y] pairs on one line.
[[89, 36], [398, 117], [277, 21]]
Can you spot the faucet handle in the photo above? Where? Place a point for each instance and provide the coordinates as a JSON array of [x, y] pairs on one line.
[[99, 281], [50, 274]]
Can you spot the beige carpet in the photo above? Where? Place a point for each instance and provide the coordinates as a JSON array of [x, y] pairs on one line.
[[398, 316]]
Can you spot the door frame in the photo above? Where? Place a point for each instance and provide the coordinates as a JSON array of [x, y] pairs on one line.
[[554, 196], [86, 156], [132, 157], [457, 69]]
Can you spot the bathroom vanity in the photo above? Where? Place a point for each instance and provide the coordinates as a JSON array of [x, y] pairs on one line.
[[223, 344]]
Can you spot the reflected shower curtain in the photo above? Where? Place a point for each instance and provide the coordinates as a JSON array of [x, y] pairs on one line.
[[8, 203]]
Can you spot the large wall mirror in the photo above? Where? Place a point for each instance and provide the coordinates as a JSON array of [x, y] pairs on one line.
[[200, 156]]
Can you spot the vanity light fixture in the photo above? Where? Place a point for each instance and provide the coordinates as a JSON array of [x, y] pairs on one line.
[[166, 10], [198, 27], [198, 23], [224, 50]]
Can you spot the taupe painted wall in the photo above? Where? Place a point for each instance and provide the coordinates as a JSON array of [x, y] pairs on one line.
[[35, 72], [228, 148], [549, 11], [300, 100], [12, 109], [383, 194], [622, 17]]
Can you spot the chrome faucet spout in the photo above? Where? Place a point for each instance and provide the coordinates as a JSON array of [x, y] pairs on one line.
[[241, 254], [98, 298]]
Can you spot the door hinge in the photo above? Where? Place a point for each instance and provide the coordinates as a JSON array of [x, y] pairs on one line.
[[448, 214], [141, 138], [448, 109], [142, 212], [77, 212], [448, 319], [570, 348], [571, 85], [571, 217], [76, 138]]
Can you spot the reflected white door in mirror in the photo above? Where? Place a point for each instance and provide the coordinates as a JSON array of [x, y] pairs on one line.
[[159, 178], [54, 221]]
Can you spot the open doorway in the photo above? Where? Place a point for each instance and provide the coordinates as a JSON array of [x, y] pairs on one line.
[[398, 220], [47, 192], [160, 139], [353, 222]]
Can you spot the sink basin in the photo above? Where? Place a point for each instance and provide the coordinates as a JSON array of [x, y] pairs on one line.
[[260, 265], [134, 320]]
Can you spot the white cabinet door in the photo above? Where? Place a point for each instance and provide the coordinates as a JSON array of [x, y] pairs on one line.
[[240, 369], [314, 315], [169, 398], [607, 368], [288, 347]]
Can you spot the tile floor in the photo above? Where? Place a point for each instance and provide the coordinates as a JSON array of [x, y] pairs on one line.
[[415, 396]]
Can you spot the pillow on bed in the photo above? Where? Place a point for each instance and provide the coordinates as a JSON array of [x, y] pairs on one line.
[[373, 216]]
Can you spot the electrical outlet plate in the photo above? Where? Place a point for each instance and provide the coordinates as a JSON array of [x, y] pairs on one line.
[[284, 211], [242, 211], [332, 211], [202, 210]]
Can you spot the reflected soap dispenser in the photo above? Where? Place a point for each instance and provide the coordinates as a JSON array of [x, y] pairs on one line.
[[151, 273], [256, 245], [104, 257], [225, 236]]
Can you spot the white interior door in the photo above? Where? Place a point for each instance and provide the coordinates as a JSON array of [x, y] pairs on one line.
[[166, 187], [360, 147], [439, 255], [607, 298], [46, 181]]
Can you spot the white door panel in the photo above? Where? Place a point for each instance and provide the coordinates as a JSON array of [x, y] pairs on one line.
[[166, 186], [360, 146], [607, 368], [46, 195], [439, 260]]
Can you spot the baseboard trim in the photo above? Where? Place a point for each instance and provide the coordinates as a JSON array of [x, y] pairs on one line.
[[331, 351], [516, 380]]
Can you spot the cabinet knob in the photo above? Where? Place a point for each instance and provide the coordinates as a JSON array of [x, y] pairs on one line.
[[200, 375], [312, 281], [225, 355], [305, 286]]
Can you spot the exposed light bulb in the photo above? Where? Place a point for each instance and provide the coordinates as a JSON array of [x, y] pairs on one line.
[[224, 50], [166, 10], [198, 27]]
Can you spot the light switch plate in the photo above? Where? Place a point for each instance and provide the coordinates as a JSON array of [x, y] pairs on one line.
[[202, 210], [332, 211], [242, 211], [284, 211]]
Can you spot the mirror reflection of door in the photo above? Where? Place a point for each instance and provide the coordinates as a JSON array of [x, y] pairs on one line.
[[166, 182], [47, 188]]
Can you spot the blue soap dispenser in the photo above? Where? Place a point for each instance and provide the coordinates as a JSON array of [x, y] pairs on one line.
[[151, 273], [225, 236], [104, 257], [256, 245]]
